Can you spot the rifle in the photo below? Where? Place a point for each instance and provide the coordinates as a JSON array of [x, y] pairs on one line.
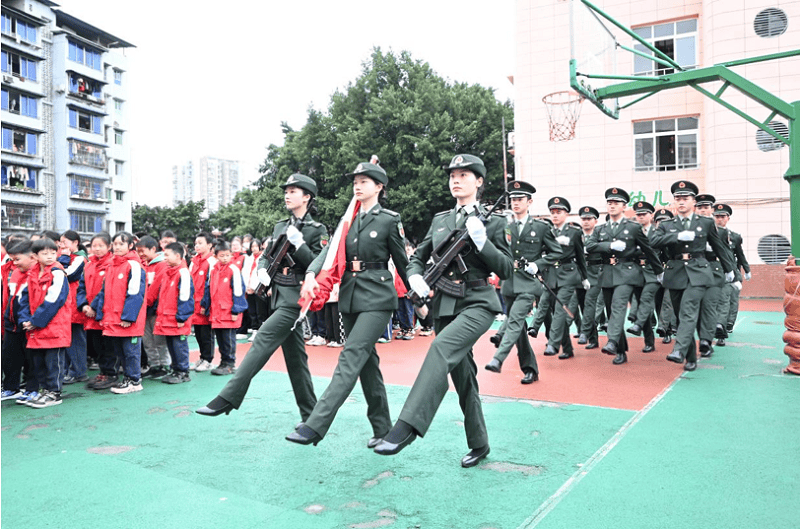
[[279, 253], [523, 264], [445, 253]]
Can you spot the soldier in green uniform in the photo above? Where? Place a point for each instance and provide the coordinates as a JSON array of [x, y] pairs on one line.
[[588, 304], [459, 319], [367, 299], [688, 274], [645, 295], [564, 276], [530, 238], [666, 316], [729, 303], [305, 236], [618, 241]]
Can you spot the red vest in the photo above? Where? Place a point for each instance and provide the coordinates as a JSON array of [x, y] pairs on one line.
[[221, 290], [168, 295], [78, 317], [57, 333], [199, 270], [155, 273], [93, 275], [115, 294]]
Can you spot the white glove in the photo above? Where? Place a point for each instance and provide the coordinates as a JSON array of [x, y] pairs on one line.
[[532, 269], [585, 284], [418, 285], [660, 277], [617, 246], [729, 277], [295, 236], [263, 276], [747, 276], [737, 285], [687, 235], [477, 232], [563, 240]]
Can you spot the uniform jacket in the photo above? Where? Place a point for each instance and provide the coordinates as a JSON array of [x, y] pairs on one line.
[[738, 252], [713, 259], [11, 308], [224, 296], [536, 244], [238, 259], [199, 270], [680, 274], [74, 264], [122, 297], [647, 269], [494, 257], [627, 271], [570, 268], [175, 302], [154, 271], [378, 236], [593, 262], [94, 273], [313, 233], [46, 304]]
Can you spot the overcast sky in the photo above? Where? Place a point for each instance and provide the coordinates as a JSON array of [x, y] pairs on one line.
[[217, 78]]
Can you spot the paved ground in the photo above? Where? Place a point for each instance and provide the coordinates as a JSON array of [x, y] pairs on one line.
[[591, 445]]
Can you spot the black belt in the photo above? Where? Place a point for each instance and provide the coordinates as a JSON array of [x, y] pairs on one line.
[[594, 261], [563, 262], [688, 256], [613, 261], [458, 288], [358, 266], [711, 256]]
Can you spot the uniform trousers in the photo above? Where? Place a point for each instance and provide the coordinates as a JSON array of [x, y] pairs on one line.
[[205, 341], [155, 345], [616, 300], [49, 368], [666, 314], [686, 304], [357, 360], [13, 359], [128, 351], [543, 315], [275, 333], [707, 323], [76, 352], [589, 325], [559, 329], [514, 331], [726, 304], [646, 297], [733, 305], [178, 349], [451, 353]]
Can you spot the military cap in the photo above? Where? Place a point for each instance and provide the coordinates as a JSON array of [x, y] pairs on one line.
[[643, 207], [469, 162], [663, 214], [518, 188], [683, 187], [705, 200], [371, 170], [589, 211], [723, 209], [617, 194], [303, 182], [559, 203]]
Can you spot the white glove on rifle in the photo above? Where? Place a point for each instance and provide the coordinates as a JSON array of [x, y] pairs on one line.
[[418, 285], [687, 235], [263, 276], [747, 276], [729, 277], [477, 232], [295, 237], [737, 285], [660, 277], [617, 246], [585, 284], [563, 240], [532, 269]]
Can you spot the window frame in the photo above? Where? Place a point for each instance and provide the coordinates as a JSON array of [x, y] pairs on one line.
[[675, 132], [32, 209], [659, 69]]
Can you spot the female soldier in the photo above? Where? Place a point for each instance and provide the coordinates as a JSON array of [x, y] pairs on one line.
[[367, 299], [459, 320]]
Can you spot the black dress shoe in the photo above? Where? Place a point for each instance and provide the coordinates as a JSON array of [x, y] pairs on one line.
[[705, 348], [635, 329], [729, 328], [550, 351], [667, 339], [719, 332], [529, 378], [533, 333], [494, 365], [610, 348], [565, 355], [374, 441], [690, 366], [496, 340], [385, 448], [582, 339], [304, 435], [474, 456], [661, 332], [721, 342], [621, 358], [632, 318], [576, 335], [675, 356], [603, 327], [592, 345], [216, 407], [648, 349]]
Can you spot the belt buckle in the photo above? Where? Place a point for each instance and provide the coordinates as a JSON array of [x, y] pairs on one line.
[[642, 262], [613, 261], [356, 266], [516, 264], [685, 256]]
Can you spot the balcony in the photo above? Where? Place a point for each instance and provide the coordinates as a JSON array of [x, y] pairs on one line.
[[82, 153], [85, 188]]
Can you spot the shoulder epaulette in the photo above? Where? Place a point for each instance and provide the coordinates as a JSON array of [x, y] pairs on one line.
[[390, 212], [445, 212]]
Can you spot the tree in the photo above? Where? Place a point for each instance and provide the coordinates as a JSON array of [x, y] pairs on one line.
[[183, 219]]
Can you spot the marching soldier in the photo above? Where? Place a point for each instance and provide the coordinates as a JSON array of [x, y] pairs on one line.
[[688, 274], [533, 247], [645, 295], [588, 336], [617, 241], [305, 236], [666, 316], [729, 305]]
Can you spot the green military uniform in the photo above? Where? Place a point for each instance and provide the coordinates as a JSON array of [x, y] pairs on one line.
[[275, 331], [620, 272], [367, 299], [729, 299], [645, 295], [688, 274], [666, 316], [588, 305]]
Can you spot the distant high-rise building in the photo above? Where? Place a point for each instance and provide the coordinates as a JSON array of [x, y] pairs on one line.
[[216, 181]]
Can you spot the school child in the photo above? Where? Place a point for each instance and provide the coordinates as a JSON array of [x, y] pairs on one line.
[[224, 302], [155, 346], [21, 259], [202, 263], [73, 259], [121, 310], [45, 314], [174, 309]]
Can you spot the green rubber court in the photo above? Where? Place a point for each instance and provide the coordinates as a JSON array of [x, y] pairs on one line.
[[591, 445]]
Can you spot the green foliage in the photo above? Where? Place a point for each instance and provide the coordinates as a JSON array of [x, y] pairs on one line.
[[252, 211], [184, 219]]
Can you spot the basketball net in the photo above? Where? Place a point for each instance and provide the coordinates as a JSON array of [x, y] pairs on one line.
[[563, 110]]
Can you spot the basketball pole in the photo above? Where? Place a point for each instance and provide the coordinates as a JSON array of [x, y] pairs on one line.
[[793, 177]]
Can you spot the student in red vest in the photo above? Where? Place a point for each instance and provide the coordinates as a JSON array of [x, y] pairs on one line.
[[224, 302], [155, 346], [121, 309], [94, 273], [202, 263], [174, 308], [47, 318], [21, 259], [73, 259]]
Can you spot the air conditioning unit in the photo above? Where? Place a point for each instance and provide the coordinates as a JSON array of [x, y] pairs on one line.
[[8, 79]]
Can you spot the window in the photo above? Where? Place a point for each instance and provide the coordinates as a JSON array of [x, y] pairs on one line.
[[677, 40], [24, 30], [108, 194], [82, 153], [19, 141], [120, 195], [86, 188], [770, 22], [85, 221], [84, 55], [18, 65], [85, 121], [83, 86], [18, 103], [117, 76], [665, 144], [19, 177], [774, 249], [120, 226], [118, 167], [118, 105], [117, 137], [21, 216]]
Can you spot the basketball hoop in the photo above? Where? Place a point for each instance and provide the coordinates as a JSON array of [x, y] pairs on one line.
[[563, 110]]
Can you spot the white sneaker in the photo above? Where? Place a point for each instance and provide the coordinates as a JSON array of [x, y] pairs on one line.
[[46, 399], [241, 336], [335, 344], [252, 337], [202, 365], [316, 340], [127, 386]]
